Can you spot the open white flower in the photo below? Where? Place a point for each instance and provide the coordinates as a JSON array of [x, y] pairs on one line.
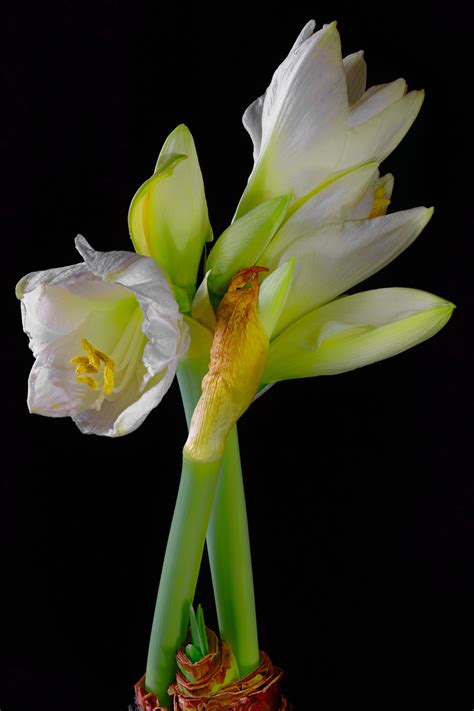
[[316, 120], [107, 336]]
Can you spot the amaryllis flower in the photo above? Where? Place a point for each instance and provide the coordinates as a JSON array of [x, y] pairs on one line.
[[107, 335], [316, 120], [314, 217], [311, 257]]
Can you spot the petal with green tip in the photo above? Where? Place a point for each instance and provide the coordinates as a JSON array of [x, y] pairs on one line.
[[168, 217], [354, 331]]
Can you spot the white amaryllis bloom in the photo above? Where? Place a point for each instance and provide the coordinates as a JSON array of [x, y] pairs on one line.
[[107, 335], [316, 120], [314, 215], [313, 258], [338, 237]]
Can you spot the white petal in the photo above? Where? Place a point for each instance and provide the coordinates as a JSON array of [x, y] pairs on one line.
[[52, 387], [304, 35], [55, 302], [303, 120], [387, 181], [125, 414], [332, 203], [375, 139], [252, 118], [355, 331], [163, 324], [334, 258], [355, 69], [140, 275], [375, 100]]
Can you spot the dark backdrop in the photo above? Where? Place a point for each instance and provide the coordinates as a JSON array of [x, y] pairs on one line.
[[359, 490]]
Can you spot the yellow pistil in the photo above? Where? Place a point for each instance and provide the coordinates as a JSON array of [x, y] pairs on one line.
[[381, 203], [238, 355], [90, 364]]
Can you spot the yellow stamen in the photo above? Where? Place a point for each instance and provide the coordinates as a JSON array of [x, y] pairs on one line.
[[87, 380], [91, 351], [79, 360], [86, 368], [238, 356], [109, 376], [381, 203], [91, 364]]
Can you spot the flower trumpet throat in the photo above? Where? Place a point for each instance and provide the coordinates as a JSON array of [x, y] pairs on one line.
[[238, 356]]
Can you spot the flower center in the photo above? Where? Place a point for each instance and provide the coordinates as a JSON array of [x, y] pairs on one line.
[[89, 365], [381, 203]]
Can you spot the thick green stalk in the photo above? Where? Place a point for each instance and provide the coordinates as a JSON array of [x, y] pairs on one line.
[[228, 542], [180, 572], [228, 546]]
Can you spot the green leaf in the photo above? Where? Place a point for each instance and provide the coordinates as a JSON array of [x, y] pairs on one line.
[[193, 653], [202, 631]]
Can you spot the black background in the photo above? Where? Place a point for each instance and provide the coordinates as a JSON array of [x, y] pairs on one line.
[[359, 486]]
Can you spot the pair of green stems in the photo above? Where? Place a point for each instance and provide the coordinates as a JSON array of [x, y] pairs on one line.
[[210, 506]]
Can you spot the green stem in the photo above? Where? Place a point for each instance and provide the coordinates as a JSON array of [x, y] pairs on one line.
[[180, 572], [228, 542], [228, 546]]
